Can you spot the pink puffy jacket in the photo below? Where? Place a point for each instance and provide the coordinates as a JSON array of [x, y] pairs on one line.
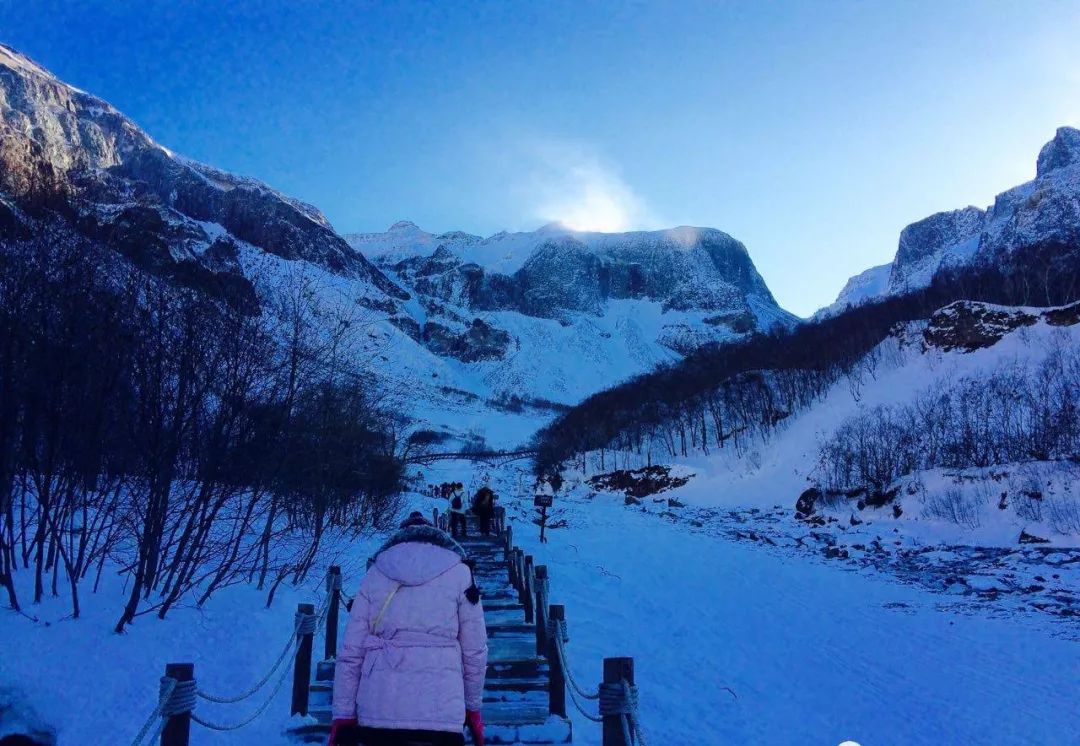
[[414, 653]]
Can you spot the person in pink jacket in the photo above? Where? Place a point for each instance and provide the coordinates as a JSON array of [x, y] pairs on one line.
[[411, 666]]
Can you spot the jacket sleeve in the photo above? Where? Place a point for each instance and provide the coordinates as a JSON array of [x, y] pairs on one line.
[[472, 634], [350, 657]]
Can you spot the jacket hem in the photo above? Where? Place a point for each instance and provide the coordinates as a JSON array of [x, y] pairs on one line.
[[439, 725]]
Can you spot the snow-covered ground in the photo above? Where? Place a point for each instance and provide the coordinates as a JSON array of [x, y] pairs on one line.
[[96, 688], [734, 641], [812, 651]]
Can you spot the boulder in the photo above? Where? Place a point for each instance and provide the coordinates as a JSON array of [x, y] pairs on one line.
[[804, 506], [1026, 538]]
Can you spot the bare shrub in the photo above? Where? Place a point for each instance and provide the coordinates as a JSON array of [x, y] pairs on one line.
[[952, 505], [1063, 513]]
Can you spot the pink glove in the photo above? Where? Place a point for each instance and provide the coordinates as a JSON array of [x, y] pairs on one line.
[[335, 725], [475, 724]]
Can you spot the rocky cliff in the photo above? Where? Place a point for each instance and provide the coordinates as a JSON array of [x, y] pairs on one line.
[[1036, 222], [66, 155]]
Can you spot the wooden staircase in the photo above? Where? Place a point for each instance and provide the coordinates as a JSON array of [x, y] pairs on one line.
[[516, 692]]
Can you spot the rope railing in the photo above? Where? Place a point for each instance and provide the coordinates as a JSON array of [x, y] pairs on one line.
[[168, 686], [298, 629], [179, 692], [558, 634], [616, 697]]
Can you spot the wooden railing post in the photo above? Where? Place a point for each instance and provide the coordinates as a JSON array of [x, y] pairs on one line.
[[512, 564], [519, 573], [615, 670], [530, 585], [302, 666], [333, 588], [557, 681], [541, 609], [177, 730]]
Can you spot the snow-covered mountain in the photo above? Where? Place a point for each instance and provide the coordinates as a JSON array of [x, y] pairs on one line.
[[467, 326], [1042, 215], [697, 284]]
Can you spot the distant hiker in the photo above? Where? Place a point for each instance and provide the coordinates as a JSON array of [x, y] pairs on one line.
[[414, 655], [484, 507], [457, 512]]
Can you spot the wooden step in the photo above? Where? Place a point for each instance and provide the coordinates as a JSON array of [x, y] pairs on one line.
[[496, 616]]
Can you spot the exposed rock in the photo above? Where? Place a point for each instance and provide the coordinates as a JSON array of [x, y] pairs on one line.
[[1026, 538], [1033, 224], [923, 245], [806, 503], [480, 341], [66, 154], [639, 482], [1061, 152], [567, 276], [970, 325]]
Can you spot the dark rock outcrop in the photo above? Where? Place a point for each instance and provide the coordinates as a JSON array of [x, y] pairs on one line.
[[480, 341], [804, 506], [970, 325], [1026, 538]]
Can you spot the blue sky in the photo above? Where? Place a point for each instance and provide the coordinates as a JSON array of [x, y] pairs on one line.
[[813, 131]]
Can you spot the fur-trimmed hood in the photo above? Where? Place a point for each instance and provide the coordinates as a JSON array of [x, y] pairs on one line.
[[420, 535], [417, 554]]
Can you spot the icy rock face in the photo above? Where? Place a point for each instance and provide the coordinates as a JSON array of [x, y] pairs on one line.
[[561, 275], [57, 142], [1042, 212], [863, 287], [695, 285], [923, 245]]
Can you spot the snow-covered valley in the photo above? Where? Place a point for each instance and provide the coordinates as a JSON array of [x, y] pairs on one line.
[[859, 527]]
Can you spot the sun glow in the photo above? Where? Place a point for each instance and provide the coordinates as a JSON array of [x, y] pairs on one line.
[[571, 186]]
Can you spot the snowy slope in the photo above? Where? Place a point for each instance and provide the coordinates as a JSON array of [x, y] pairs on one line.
[[734, 642], [904, 367], [862, 288]]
